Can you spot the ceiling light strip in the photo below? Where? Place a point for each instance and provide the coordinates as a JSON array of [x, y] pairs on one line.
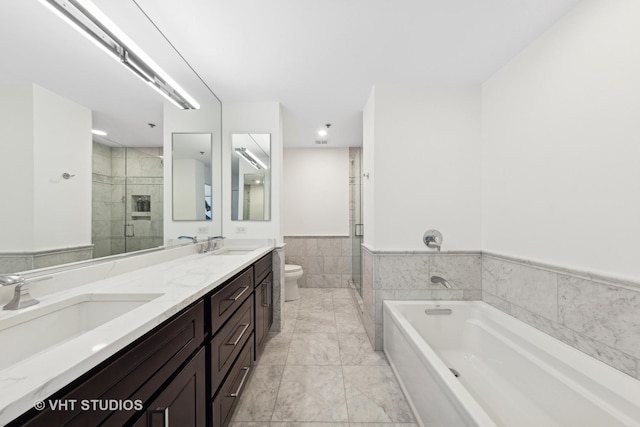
[[89, 21], [250, 158]]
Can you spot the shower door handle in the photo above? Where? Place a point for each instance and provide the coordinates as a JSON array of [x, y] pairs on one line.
[[359, 230]]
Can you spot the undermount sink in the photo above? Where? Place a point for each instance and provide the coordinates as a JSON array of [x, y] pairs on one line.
[[41, 327], [232, 251]]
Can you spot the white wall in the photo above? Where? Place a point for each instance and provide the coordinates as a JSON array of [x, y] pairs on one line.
[[188, 175], [561, 138], [253, 117], [426, 170], [315, 195], [368, 169], [45, 135], [204, 120], [16, 167]]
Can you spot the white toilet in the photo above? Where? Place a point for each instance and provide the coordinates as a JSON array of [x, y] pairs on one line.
[[292, 273]]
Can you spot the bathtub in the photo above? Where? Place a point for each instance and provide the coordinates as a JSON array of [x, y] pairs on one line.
[[510, 374]]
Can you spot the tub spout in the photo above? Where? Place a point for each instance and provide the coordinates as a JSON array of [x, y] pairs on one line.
[[441, 280]]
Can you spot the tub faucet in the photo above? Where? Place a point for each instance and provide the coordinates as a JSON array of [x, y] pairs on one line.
[[21, 296], [441, 280]]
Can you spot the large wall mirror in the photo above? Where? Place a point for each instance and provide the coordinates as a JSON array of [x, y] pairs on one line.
[[84, 196], [191, 163], [251, 177]]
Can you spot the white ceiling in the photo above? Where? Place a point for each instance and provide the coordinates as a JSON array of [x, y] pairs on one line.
[[319, 59]]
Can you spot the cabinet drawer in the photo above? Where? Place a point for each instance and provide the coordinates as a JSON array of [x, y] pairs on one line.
[[262, 268], [227, 398], [229, 298], [228, 342], [136, 373]]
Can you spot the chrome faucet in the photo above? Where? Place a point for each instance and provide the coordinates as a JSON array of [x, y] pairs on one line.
[[441, 280], [194, 239], [215, 241], [21, 296]]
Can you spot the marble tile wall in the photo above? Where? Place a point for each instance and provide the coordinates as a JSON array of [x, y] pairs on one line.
[[597, 315], [13, 263], [326, 261], [406, 276]]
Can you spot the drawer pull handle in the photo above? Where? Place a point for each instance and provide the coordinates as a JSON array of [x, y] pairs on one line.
[[246, 326], [164, 413], [244, 377], [244, 289]]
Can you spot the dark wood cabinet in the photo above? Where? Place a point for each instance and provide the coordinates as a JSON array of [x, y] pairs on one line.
[[189, 371], [264, 311], [183, 400], [263, 301], [132, 375]]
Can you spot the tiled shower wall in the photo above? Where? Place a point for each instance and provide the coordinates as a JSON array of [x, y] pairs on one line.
[[118, 174], [598, 316]]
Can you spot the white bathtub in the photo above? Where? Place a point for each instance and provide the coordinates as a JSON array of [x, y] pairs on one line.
[[511, 374]]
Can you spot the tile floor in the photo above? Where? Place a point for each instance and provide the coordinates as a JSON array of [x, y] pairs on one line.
[[321, 371]]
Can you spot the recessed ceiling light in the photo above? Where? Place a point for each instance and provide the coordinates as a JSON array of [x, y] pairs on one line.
[[98, 132], [322, 132]]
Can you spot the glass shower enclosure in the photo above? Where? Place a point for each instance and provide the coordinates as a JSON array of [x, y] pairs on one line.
[[127, 199]]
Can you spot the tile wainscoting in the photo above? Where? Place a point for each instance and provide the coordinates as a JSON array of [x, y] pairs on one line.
[[597, 315], [326, 261]]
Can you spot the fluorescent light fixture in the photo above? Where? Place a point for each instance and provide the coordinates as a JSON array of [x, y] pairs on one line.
[[98, 132], [249, 157], [322, 132], [93, 24]]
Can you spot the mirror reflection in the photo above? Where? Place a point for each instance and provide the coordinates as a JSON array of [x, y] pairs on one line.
[[250, 177], [83, 195], [191, 162]]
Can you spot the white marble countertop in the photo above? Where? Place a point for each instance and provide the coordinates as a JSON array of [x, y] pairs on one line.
[[180, 281]]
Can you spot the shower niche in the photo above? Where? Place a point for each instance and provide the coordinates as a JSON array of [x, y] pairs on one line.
[[141, 207]]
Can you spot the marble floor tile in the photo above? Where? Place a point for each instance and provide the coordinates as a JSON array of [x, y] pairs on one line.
[[356, 349], [316, 321], [314, 391], [314, 349], [290, 309], [308, 424], [383, 425], [322, 303], [311, 393], [344, 305], [259, 397], [373, 395], [349, 324], [276, 349], [341, 293], [306, 293]]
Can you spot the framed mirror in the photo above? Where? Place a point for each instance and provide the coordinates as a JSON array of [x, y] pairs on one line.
[[192, 177], [251, 177]]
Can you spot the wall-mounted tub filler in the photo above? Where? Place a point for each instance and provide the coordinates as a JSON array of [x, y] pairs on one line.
[[21, 296], [433, 239], [441, 280]]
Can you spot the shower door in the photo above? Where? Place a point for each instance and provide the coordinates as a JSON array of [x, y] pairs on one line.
[[357, 227]]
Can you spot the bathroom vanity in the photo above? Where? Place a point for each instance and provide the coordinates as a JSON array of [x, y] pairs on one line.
[[190, 369]]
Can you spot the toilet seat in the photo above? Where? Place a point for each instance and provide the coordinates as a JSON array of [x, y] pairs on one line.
[[292, 268]]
